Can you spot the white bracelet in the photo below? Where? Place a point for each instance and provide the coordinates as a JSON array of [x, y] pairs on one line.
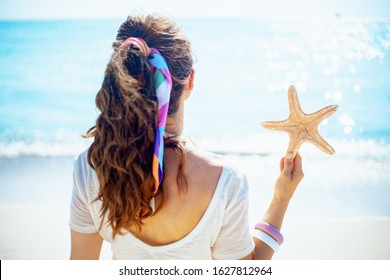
[[261, 235]]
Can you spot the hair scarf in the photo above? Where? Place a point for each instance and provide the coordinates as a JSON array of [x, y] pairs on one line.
[[162, 81]]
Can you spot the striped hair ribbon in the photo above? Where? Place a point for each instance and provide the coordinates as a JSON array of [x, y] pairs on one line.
[[162, 81], [163, 85]]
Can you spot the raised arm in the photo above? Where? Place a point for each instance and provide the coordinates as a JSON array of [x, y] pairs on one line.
[[290, 176]]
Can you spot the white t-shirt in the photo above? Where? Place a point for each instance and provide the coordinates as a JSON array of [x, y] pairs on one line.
[[223, 231]]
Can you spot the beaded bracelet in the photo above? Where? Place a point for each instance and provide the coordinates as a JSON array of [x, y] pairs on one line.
[[261, 235], [272, 231]]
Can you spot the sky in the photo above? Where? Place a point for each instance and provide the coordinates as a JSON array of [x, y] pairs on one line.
[[279, 9]]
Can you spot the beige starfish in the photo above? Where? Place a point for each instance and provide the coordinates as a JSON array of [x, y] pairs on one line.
[[302, 127]]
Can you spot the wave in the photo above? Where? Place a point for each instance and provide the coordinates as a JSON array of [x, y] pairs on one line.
[[240, 145], [269, 144], [42, 149]]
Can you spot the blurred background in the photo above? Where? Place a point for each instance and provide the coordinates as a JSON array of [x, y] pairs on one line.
[[53, 56]]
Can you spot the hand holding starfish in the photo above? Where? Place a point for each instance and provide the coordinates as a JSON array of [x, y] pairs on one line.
[[302, 127]]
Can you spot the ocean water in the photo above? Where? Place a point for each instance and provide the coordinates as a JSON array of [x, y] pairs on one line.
[[51, 70]]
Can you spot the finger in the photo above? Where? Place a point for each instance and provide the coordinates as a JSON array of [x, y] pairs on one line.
[[298, 162], [288, 163], [281, 164], [298, 171]]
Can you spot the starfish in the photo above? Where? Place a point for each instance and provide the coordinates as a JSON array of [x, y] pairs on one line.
[[302, 127]]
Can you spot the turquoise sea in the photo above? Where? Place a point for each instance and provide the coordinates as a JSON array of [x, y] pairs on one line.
[[50, 72]]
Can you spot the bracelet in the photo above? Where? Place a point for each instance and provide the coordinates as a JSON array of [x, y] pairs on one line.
[[261, 235], [271, 230]]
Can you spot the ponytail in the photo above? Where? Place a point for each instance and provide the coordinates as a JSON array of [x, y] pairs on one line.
[[122, 151], [124, 135]]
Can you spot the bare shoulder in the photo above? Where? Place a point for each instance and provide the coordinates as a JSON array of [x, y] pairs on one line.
[[201, 159], [203, 168]]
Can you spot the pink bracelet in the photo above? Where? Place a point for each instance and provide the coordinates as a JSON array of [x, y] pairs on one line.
[[272, 231]]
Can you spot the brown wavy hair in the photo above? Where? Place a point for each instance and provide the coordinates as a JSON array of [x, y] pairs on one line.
[[122, 150]]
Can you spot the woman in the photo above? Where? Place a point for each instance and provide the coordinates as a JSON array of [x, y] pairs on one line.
[[145, 188]]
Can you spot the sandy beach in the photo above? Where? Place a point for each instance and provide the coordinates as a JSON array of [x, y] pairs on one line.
[[34, 206]]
